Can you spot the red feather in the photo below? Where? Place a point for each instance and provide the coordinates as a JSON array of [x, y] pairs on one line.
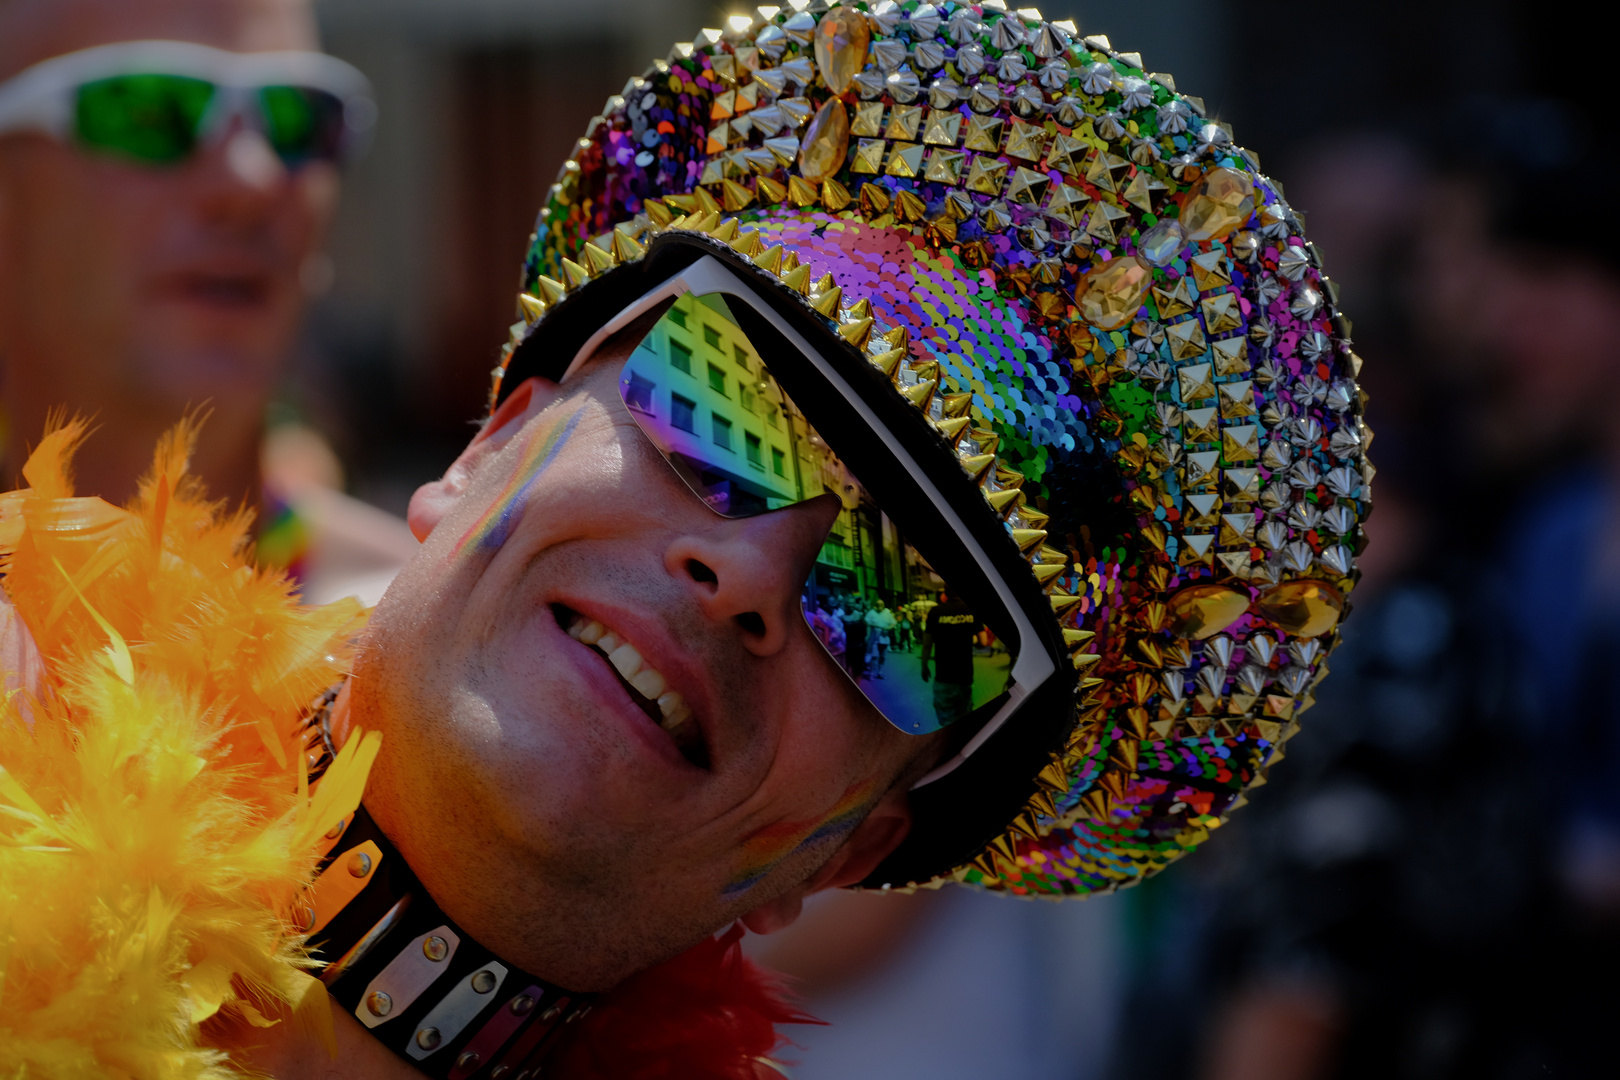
[[708, 1014]]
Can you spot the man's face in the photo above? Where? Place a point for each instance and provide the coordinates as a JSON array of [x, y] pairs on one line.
[[161, 284], [516, 756]]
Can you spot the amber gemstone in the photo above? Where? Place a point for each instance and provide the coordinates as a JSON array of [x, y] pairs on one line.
[[1302, 608], [1110, 295], [1221, 201], [842, 38], [826, 142], [1201, 611]]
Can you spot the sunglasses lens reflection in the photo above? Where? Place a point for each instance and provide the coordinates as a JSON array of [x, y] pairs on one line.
[[701, 392], [156, 118], [151, 118]]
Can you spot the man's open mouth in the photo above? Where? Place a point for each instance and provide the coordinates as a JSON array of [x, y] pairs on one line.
[[646, 686]]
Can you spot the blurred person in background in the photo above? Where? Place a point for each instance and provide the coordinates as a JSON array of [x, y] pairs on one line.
[[162, 209], [1431, 890]]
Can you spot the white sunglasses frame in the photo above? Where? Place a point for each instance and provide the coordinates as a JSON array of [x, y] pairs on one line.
[[41, 98], [1032, 667]]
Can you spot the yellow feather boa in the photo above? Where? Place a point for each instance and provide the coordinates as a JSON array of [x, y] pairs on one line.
[[156, 820]]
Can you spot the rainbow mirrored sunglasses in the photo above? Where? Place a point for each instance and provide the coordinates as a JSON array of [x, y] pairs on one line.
[[757, 407], [156, 102]]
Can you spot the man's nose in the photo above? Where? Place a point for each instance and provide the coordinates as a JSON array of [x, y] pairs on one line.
[[240, 176], [748, 573]]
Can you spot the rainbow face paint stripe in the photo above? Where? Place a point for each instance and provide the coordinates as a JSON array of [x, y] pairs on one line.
[[544, 443], [771, 846]]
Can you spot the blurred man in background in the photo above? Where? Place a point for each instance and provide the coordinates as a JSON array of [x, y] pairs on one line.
[[152, 262], [168, 169]]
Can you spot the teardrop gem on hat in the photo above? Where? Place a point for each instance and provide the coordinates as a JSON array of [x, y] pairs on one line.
[[1220, 202], [842, 41], [1109, 296], [826, 142], [1202, 611], [1302, 608]]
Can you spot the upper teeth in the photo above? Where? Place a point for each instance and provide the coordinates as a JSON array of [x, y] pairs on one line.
[[637, 672]]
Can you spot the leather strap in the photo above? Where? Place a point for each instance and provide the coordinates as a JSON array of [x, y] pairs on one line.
[[420, 983]]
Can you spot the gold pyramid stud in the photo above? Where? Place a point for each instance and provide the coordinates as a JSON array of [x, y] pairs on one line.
[[988, 440], [770, 191], [1063, 603], [1087, 685], [1046, 574], [532, 308], [977, 466], [857, 333], [985, 865], [957, 406], [797, 279], [1041, 803], [825, 283], [928, 369], [575, 275], [1034, 518], [724, 231], [551, 290], [748, 244], [1097, 803], [1123, 753], [598, 260], [826, 304], [921, 394], [801, 192], [888, 362], [706, 202], [835, 196], [1054, 778], [1003, 846], [706, 222], [1024, 827], [1085, 661], [1073, 639], [734, 196], [790, 262], [627, 248], [1113, 783], [910, 207], [862, 309], [1004, 500], [898, 338], [875, 200], [1028, 538], [659, 214], [953, 428], [770, 260]]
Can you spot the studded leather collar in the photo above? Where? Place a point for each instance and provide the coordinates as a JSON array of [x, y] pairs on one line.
[[418, 982]]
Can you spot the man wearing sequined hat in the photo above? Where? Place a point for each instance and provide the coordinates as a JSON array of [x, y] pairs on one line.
[[899, 302]]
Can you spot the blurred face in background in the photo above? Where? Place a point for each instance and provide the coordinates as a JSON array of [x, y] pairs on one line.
[[1527, 330], [128, 287]]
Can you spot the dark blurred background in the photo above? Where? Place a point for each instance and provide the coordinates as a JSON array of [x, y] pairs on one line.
[[1430, 885]]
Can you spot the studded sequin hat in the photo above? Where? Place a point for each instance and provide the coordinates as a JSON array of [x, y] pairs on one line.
[[1091, 282]]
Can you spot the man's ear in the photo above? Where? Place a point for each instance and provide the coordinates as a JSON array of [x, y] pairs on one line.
[[432, 501], [867, 846]]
